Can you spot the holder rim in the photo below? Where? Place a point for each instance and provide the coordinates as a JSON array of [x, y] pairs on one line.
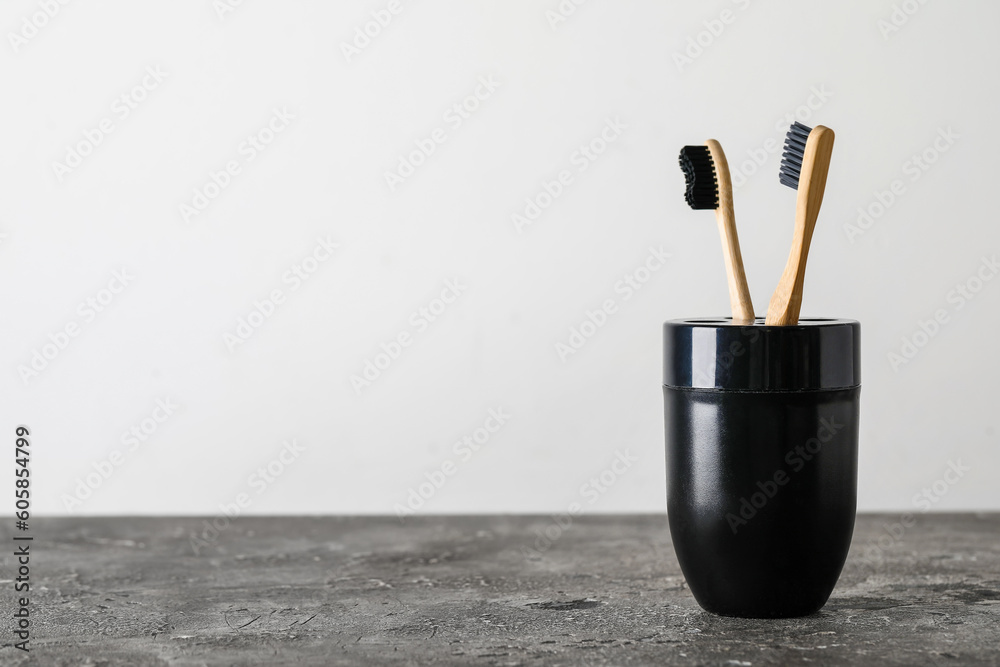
[[818, 353]]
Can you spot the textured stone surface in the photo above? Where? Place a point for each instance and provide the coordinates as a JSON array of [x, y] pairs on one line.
[[470, 591]]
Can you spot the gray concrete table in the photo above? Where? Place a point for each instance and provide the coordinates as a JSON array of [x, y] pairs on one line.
[[479, 591]]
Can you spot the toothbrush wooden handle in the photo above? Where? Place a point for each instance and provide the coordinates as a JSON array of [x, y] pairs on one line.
[[786, 302], [739, 291]]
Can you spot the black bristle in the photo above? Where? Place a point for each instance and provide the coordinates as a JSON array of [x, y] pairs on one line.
[[699, 173], [791, 158]]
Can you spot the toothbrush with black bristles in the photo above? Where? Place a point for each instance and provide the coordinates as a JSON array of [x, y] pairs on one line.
[[804, 167], [709, 187]]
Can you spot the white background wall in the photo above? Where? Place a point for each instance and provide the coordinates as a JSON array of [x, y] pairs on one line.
[[888, 94]]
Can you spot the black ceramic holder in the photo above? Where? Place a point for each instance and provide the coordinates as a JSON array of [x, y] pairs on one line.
[[762, 460]]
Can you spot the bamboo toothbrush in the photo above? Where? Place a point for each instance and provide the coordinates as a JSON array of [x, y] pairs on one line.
[[804, 166], [708, 186]]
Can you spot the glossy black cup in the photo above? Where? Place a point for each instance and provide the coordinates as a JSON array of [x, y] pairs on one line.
[[762, 447]]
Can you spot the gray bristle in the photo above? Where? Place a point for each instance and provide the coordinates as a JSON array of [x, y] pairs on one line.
[[791, 158]]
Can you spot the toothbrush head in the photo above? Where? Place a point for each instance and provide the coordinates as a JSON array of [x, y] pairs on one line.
[[791, 158], [699, 173]]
